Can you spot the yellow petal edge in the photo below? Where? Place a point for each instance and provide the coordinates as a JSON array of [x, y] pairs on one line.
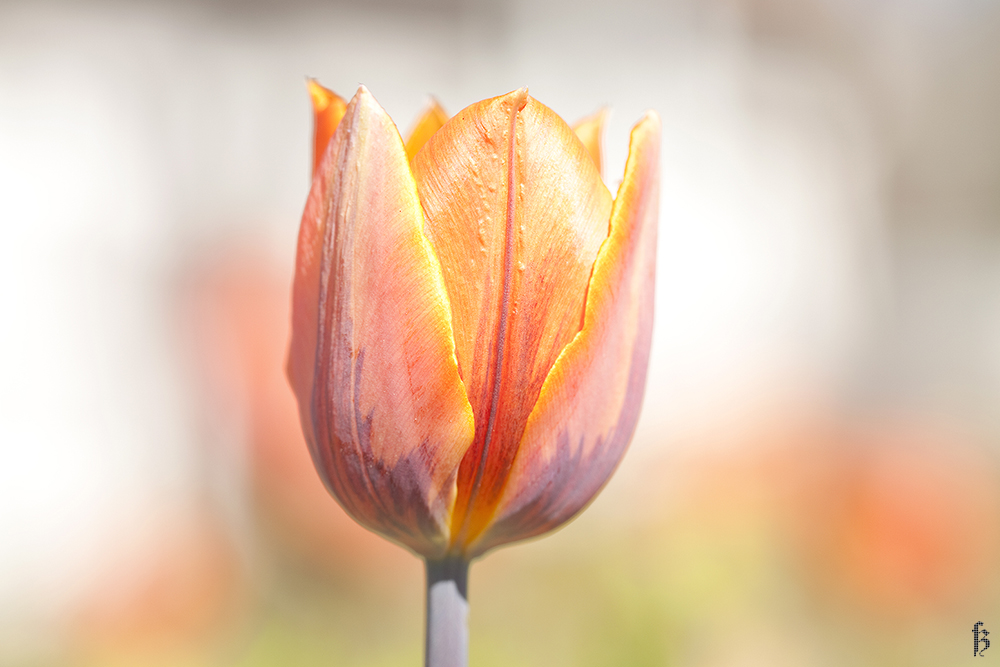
[[590, 131], [589, 404], [430, 121], [373, 364]]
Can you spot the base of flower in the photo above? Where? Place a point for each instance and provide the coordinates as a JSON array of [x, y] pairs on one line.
[[447, 613]]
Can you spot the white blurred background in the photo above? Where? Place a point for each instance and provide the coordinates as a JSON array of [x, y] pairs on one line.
[[816, 461]]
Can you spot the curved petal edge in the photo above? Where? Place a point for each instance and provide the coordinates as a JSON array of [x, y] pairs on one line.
[[372, 357], [517, 214], [328, 110], [590, 131], [431, 119], [586, 413]]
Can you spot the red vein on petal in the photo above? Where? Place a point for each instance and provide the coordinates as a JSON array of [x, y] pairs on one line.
[[508, 273]]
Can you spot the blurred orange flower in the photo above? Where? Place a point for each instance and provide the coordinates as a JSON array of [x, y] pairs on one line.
[[902, 522], [471, 317], [162, 592]]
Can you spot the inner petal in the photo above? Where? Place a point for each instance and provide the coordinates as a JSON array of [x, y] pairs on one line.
[[516, 212]]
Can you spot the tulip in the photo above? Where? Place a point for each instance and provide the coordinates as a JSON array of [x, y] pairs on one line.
[[471, 322]]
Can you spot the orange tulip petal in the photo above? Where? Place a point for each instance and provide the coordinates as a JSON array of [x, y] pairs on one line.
[[590, 130], [372, 359], [430, 121], [516, 213], [328, 109], [589, 404]]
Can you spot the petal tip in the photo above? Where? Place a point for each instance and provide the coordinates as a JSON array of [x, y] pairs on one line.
[[517, 98], [364, 98], [364, 94], [522, 97], [646, 132], [650, 119], [321, 96]]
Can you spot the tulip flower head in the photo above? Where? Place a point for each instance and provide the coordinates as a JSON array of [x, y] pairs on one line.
[[471, 317]]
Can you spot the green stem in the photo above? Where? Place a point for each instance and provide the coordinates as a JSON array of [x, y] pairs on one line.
[[447, 613]]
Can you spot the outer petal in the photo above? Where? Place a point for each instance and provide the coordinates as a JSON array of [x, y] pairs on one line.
[[589, 405], [590, 130], [516, 212], [431, 120], [372, 358], [328, 109]]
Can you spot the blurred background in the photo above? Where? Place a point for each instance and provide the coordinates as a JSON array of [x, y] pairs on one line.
[[815, 477]]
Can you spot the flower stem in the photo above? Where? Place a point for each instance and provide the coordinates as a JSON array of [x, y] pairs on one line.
[[447, 613]]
